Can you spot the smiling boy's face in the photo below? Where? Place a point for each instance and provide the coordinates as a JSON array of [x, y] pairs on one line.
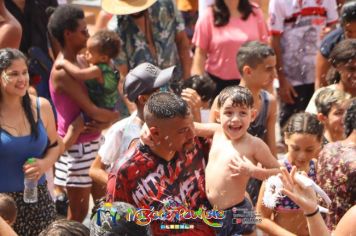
[[235, 119]]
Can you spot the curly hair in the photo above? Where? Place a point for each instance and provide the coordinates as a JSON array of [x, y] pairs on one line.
[[107, 42]]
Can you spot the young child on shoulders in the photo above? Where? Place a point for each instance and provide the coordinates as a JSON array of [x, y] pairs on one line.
[[257, 65], [235, 150], [303, 134], [331, 107], [101, 79], [8, 208]]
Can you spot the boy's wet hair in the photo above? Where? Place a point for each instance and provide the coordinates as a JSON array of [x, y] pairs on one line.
[[8, 208], [329, 97], [165, 105], [107, 42], [348, 12], [343, 52], [65, 17], [240, 96], [202, 84], [304, 123], [252, 54], [350, 117]]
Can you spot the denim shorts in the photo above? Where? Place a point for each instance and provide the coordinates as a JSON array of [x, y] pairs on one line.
[[239, 219]]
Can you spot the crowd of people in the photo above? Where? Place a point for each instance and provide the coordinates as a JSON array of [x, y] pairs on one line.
[[161, 106]]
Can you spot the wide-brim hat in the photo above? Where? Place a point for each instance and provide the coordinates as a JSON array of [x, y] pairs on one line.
[[126, 7]]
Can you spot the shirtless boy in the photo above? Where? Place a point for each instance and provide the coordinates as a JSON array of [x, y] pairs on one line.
[[233, 158]]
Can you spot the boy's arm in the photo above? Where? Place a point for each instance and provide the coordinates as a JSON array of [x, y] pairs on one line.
[[267, 225], [206, 130], [243, 166], [271, 124], [91, 72]]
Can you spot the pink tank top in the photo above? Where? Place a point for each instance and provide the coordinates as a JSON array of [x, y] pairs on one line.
[[67, 110]]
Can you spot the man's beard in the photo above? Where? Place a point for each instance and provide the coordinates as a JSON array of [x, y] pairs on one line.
[[189, 146]]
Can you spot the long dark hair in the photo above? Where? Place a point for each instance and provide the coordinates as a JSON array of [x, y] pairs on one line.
[[7, 56], [222, 14]]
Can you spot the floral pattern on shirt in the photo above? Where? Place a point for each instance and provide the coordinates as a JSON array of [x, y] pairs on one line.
[[166, 21], [336, 175]]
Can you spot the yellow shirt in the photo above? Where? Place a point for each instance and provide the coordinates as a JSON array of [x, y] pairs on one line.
[[187, 5]]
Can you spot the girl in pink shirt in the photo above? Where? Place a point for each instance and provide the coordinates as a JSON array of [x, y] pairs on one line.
[[219, 33]]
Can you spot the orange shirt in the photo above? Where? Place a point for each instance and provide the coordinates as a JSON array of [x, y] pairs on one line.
[[187, 5]]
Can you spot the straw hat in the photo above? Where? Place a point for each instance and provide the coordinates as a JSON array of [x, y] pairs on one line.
[[126, 7]]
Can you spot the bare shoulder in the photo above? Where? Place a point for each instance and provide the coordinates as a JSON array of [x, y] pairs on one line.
[[256, 142], [44, 106]]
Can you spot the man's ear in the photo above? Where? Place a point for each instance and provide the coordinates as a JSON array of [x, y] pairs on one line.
[[154, 133], [321, 117], [142, 99]]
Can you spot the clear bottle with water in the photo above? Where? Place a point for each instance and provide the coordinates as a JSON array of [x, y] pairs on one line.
[[30, 194]]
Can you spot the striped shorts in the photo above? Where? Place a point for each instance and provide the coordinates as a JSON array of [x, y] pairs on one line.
[[72, 167]]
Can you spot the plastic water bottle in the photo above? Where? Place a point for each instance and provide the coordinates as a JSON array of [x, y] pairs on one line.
[[30, 194]]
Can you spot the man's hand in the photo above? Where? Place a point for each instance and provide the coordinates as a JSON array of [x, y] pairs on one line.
[[192, 98], [286, 91]]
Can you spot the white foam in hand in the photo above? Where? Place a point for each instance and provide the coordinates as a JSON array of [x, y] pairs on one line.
[[273, 191], [274, 186]]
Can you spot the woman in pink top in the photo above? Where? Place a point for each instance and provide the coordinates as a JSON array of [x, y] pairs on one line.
[[219, 33]]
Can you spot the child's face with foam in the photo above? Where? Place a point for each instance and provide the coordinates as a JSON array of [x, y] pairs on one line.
[[235, 119], [302, 148], [263, 75]]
